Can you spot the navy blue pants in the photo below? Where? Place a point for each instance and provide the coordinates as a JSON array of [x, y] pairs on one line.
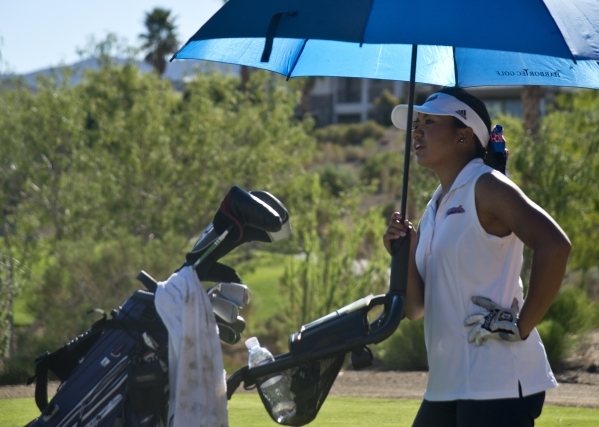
[[516, 412]]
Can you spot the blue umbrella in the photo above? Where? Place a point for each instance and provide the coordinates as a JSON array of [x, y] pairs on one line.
[[461, 42], [450, 42]]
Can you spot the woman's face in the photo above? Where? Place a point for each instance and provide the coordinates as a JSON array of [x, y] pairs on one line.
[[434, 139]]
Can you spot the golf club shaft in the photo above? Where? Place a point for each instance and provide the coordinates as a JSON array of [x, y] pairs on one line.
[[212, 246]]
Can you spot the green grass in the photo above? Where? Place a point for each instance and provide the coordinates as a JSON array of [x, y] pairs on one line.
[[246, 410], [17, 412], [266, 296]]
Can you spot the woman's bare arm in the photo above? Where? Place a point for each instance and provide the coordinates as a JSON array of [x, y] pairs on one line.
[[503, 208]]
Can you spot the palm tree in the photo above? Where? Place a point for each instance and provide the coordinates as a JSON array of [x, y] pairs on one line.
[[531, 110], [160, 39]]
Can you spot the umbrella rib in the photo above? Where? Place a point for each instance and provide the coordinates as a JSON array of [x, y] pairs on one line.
[[366, 23], [560, 31], [296, 59], [455, 67]]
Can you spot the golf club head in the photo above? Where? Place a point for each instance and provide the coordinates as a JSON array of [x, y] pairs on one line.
[[234, 292], [227, 334], [239, 325], [223, 308], [230, 333]]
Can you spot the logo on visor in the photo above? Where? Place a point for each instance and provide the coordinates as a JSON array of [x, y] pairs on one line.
[[462, 113]]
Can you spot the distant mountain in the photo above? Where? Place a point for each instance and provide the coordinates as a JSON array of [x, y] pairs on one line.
[[176, 71]]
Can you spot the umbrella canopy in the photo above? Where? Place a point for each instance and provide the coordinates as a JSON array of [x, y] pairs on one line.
[[460, 42]]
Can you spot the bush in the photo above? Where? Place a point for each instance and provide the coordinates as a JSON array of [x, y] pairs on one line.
[[22, 365], [354, 153], [336, 178], [349, 134], [405, 349], [555, 340], [329, 152], [384, 168], [569, 318], [573, 311], [383, 106]]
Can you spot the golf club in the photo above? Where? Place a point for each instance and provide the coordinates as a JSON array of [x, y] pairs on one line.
[[234, 292], [223, 308], [227, 334]]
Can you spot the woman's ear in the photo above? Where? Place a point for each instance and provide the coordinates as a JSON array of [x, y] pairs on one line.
[[466, 136]]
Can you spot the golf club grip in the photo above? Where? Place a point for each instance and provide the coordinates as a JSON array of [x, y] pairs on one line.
[[148, 281], [400, 258]]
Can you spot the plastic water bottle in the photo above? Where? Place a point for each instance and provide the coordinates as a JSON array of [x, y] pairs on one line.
[[276, 388]]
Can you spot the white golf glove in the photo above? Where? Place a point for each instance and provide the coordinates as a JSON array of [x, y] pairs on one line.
[[497, 323]]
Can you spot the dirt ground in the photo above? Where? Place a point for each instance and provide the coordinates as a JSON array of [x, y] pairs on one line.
[[577, 388], [578, 383]]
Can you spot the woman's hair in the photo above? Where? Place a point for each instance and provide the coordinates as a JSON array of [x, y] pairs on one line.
[[496, 160]]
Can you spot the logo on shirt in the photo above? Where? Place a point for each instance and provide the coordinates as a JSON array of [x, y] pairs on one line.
[[456, 210]]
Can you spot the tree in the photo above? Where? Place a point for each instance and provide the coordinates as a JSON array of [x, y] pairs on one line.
[[160, 39], [17, 241], [531, 110]]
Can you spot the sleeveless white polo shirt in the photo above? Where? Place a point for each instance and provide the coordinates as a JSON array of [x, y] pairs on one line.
[[458, 259]]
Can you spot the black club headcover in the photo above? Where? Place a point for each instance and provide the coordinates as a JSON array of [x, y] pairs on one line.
[[253, 216]]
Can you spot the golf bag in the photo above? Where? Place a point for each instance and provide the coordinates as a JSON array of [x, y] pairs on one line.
[[115, 374]]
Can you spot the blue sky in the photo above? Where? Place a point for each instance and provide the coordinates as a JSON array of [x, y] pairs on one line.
[[36, 34]]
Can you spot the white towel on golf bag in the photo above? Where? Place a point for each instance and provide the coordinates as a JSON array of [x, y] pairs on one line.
[[198, 390]]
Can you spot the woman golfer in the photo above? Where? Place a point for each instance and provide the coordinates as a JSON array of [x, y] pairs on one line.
[[487, 364]]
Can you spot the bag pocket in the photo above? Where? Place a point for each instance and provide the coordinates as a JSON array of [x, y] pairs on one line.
[[147, 384]]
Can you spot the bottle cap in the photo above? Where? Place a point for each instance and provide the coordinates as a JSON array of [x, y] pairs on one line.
[[252, 343]]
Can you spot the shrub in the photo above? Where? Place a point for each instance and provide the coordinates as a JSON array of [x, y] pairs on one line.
[[329, 152], [22, 365], [573, 311], [336, 178], [349, 134], [566, 323], [384, 168], [555, 340], [354, 152], [383, 105], [405, 349]]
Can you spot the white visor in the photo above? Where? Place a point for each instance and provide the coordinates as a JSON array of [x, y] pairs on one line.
[[441, 104]]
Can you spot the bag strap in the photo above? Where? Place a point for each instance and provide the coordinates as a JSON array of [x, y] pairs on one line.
[[41, 375], [62, 361]]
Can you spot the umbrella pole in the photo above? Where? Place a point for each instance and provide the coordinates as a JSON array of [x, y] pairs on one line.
[[408, 145], [400, 248]]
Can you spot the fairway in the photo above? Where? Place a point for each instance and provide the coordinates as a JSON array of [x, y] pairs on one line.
[[246, 410], [267, 299]]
